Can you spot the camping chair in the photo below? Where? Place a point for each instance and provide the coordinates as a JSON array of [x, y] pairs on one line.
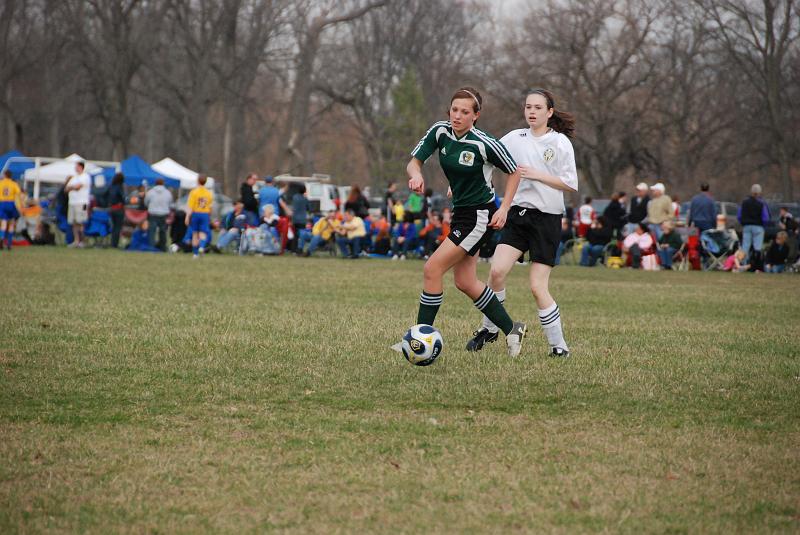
[[716, 246], [688, 256], [98, 226]]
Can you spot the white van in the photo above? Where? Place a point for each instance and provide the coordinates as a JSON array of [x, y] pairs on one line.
[[322, 195]]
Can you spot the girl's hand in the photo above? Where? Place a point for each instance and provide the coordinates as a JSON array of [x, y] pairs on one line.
[[187, 220], [528, 172], [499, 218], [416, 184]]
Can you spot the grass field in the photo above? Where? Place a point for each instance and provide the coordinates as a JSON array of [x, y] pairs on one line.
[[150, 393]]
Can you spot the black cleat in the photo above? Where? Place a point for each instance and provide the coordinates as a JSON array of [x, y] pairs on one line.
[[481, 337], [559, 353]]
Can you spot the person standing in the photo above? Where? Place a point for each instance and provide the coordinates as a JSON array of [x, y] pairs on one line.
[[10, 197], [388, 202], [198, 214], [615, 213], [300, 208], [753, 214], [467, 156], [702, 212], [269, 194], [247, 195], [78, 210], [638, 210], [158, 202], [116, 207], [547, 167], [659, 209], [586, 216]]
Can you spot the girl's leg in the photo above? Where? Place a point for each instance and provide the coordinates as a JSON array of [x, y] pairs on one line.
[[503, 262], [482, 295], [445, 257], [549, 313]]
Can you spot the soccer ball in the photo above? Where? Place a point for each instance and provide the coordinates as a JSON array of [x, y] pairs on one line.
[[422, 344]]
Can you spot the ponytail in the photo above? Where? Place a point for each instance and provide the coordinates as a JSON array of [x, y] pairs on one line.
[[561, 121]]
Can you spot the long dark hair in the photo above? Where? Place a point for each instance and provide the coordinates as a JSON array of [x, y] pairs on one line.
[[560, 121], [119, 178]]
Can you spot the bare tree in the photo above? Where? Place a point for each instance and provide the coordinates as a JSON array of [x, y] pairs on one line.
[[760, 38], [310, 22]]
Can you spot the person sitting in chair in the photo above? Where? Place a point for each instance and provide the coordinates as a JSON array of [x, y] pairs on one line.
[[637, 243]]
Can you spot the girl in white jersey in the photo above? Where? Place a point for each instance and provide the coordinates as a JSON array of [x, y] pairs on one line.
[[546, 163]]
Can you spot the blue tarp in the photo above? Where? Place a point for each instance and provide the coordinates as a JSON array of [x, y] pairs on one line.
[[18, 167], [136, 171]]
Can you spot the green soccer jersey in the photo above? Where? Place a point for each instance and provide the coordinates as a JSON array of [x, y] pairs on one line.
[[467, 162]]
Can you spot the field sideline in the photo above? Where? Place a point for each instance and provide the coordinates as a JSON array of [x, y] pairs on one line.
[[153, 393]]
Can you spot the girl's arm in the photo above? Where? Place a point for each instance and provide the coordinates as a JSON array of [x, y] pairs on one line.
[[499, 217], [416, 182], [567, 179], [529, 173]]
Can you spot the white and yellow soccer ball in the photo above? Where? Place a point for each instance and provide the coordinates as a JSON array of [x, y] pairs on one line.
[[422, 344]]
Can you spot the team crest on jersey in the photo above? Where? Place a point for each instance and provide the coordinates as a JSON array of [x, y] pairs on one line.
[[466, 158], [549, 154]]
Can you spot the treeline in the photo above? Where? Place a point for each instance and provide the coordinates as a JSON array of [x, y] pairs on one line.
[[679, 90]]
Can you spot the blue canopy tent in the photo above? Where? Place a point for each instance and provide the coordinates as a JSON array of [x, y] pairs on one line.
[[136, 171], [17, 166]]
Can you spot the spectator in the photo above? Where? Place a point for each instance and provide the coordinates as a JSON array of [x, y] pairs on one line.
[[405, 237], [586, 215], [383, 242], [566, 235], [414, 205], [735, 262], [350, 235], [159, 203], [247, 195], [399, 212], [637, 243], [357, 203], [638, 209], [78, 211], [598, 236], [300, 208], [322, 232], [233, 225], [434, 233], [116, 205], [676, 207], [787, 222], [753, 214], [43, 235], [388, 201], [669, 243], [615, 213], [702, 210], [777, 254], [659, 209], [269, 194]]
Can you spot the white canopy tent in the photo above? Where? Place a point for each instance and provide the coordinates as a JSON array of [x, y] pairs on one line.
[[188, 178], [57, 171]]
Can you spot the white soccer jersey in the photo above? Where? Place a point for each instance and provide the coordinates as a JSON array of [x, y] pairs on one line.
[[551, 153]]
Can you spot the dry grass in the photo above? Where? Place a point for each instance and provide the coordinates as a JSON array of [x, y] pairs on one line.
[[145, 393]]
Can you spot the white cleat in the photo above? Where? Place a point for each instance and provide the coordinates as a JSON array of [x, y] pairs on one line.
[[515, 337]]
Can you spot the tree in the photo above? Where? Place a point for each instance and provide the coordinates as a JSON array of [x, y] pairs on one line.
[[311, 20], [760, 38]]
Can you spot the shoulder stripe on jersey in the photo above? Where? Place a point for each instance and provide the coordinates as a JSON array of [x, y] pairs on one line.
[[433, 127], [498, 147]]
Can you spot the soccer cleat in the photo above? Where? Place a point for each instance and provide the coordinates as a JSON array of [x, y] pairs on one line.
[[481, 337], [515, 337], [559, 353]]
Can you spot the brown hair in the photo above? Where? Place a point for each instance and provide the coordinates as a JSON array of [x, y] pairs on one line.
[[470, 93], [201, 179], [355, 193], [561, 121]]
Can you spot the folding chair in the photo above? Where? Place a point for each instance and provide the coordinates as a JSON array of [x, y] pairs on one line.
[[716, 245]]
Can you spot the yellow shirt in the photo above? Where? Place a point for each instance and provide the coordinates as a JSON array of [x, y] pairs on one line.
[[324, 228], [200, 200], [399, 211], [9, 190], [355, 228]]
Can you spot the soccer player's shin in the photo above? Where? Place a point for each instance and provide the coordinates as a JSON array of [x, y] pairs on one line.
[[493, 309], [550, 318], [488, 324], [428, 307]]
